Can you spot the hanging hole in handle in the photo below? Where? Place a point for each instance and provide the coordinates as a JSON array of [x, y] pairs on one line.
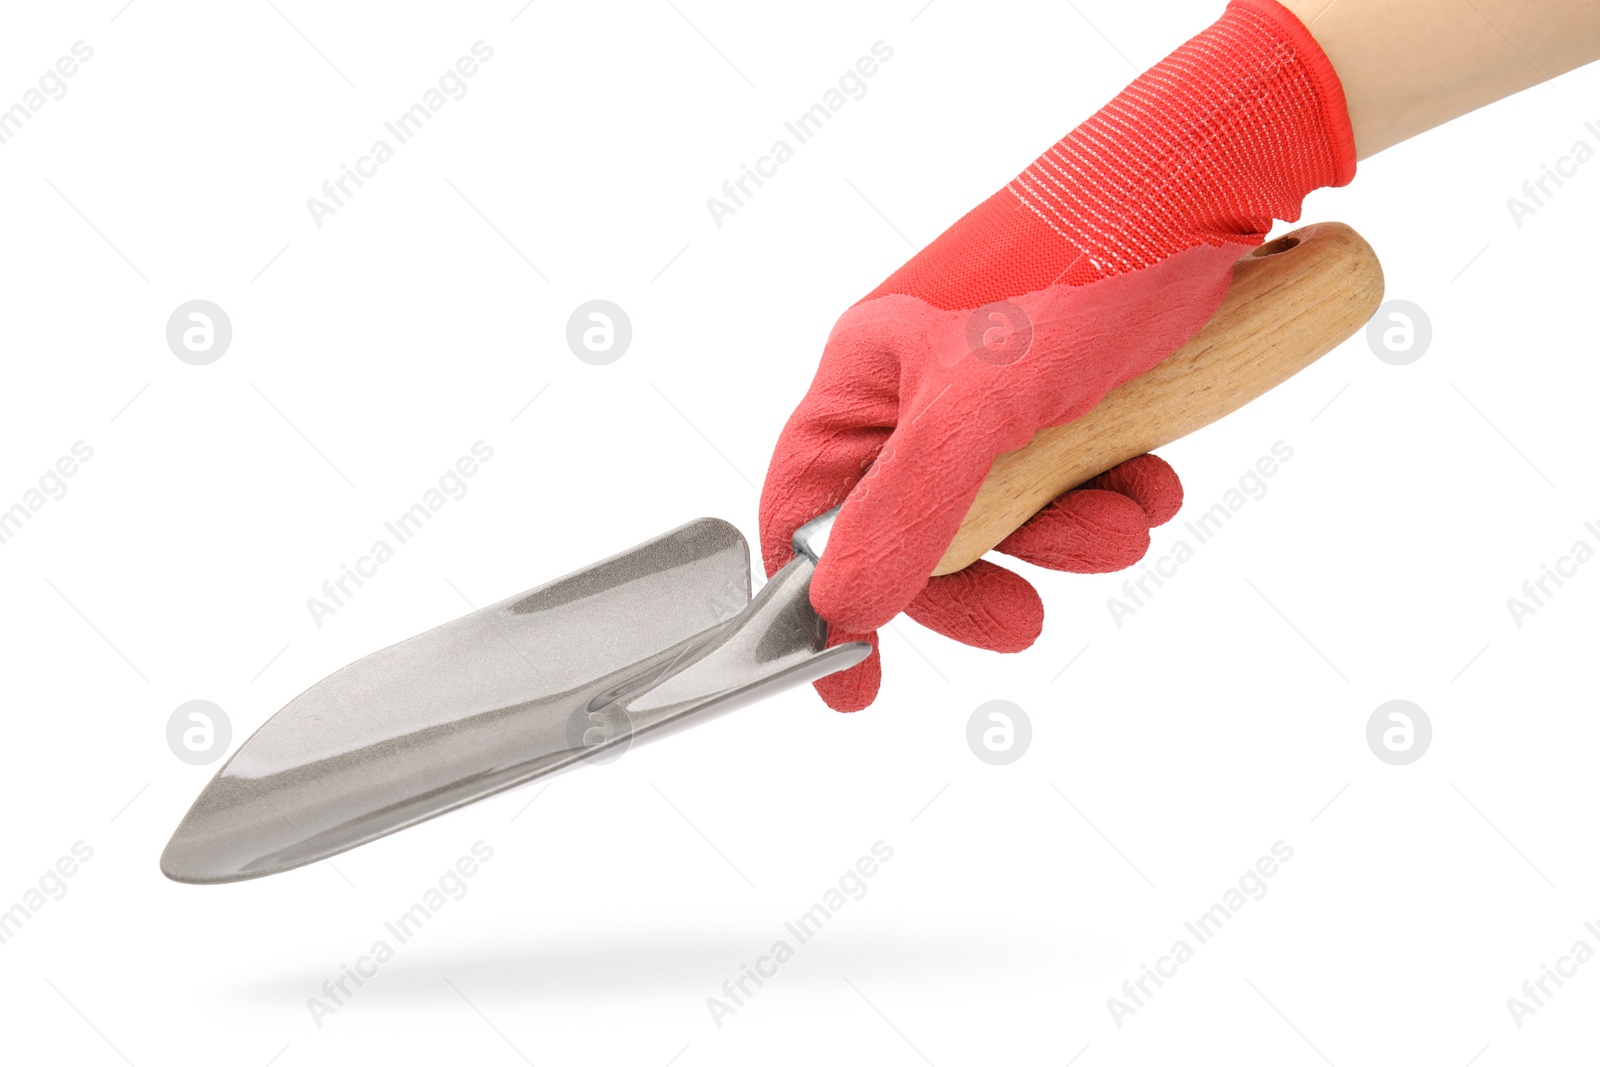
[[1272, 248]]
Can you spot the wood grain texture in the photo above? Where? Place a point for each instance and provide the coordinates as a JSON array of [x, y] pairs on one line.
[[1291, 301]]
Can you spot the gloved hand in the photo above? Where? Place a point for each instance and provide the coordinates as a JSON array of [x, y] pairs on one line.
[[1097, 262]]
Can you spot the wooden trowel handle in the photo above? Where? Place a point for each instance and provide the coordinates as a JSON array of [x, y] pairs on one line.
[[1292, 300]]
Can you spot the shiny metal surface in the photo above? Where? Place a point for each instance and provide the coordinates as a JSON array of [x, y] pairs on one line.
[[652, 640], [811, 539]]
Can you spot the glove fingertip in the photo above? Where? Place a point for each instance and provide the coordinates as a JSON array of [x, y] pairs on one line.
[[1149, 481], [985, 606], [854, 689], [1086, 531]]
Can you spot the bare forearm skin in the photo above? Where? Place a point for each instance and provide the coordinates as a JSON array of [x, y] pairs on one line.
[[1410, 65]]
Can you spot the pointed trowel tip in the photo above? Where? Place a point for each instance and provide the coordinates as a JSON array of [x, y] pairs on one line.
[[186, 859], [194, 860], [181, 863], [234, 832], [178, 862]]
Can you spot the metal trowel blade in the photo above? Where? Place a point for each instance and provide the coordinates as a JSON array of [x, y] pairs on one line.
[[654, 639]]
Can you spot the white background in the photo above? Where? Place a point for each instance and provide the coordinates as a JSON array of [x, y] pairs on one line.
[[1228, 714]]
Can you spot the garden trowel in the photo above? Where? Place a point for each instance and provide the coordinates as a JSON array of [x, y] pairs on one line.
[[667, 634]]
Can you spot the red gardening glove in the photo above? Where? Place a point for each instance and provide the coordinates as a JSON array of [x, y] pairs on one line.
[[1092, 266]]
